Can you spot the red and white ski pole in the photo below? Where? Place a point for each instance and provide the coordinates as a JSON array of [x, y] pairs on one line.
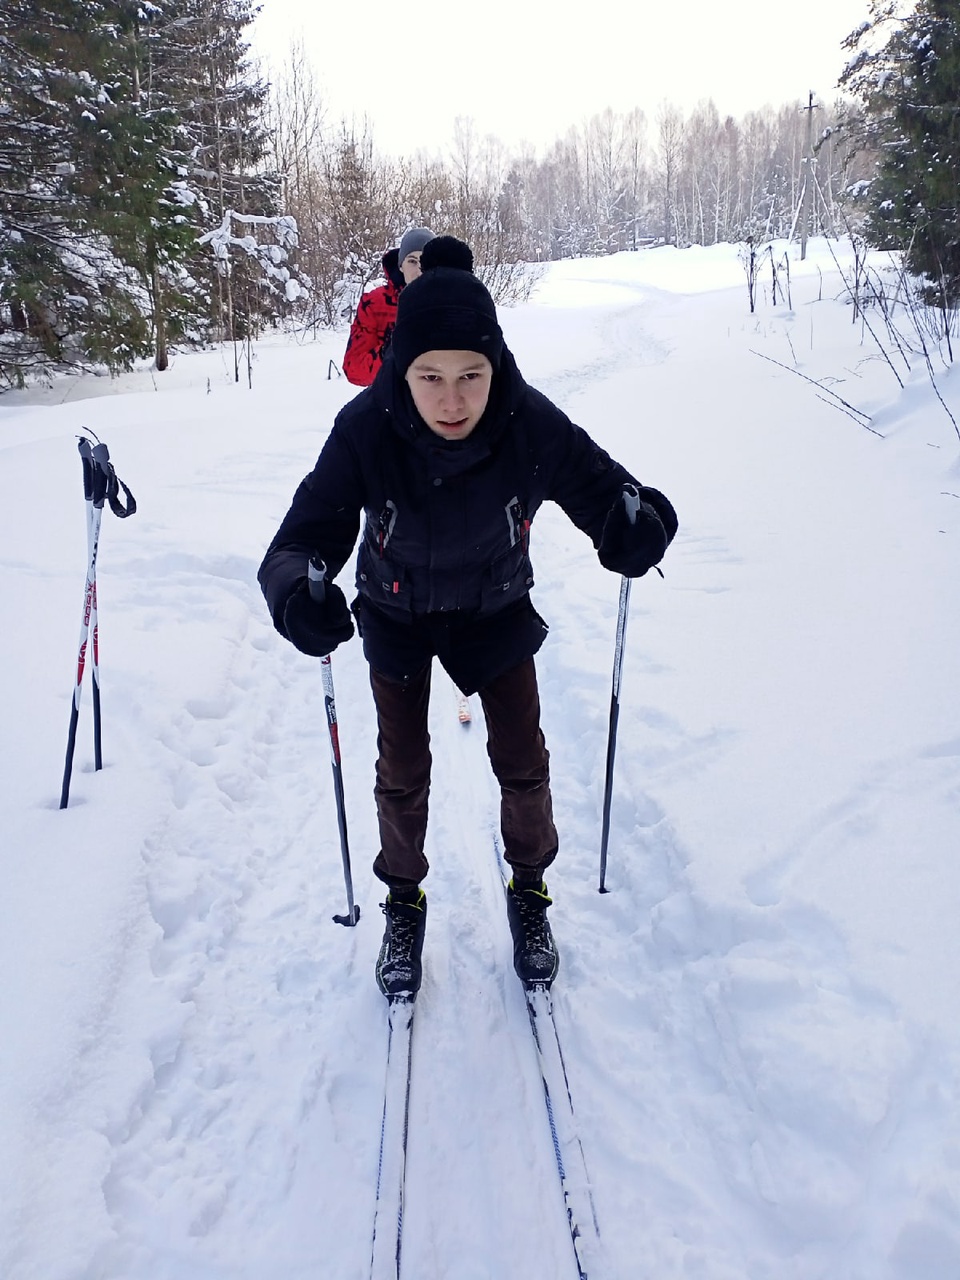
[[316, 582]]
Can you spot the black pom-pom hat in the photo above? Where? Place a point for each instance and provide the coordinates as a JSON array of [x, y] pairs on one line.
[[446, 308]]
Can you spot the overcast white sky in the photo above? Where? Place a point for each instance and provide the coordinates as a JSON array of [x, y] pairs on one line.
[[525, 69]]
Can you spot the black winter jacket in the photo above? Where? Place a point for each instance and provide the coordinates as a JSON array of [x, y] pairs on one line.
[[447, 523]]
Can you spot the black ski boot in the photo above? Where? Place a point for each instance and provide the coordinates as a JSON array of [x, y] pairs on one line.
[[535, 956], [398, 966]]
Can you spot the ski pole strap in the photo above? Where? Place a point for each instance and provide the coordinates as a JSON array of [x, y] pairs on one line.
[[107, 484], [116, 506], [315, 579]]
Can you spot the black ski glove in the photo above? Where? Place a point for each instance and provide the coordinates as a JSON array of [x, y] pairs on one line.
[[637, 532], [317, 628]]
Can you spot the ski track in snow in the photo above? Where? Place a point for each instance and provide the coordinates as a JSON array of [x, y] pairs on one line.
[[245, 941], [738, 998], [750, 1104]]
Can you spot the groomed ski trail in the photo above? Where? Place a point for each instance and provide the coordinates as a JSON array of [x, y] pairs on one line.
[[478, 1130], [261, 1069], [755, 1105]]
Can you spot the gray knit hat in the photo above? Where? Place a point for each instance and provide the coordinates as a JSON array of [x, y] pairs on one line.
[[413, 241]]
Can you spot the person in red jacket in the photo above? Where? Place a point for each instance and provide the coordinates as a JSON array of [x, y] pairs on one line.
[[377, 313]]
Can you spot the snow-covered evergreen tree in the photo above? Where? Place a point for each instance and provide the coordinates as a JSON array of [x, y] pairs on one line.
[[128, 129], [905, 73], [64, 295], [202, 57]]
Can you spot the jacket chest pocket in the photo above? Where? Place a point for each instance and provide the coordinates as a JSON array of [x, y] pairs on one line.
[[382, 581], [508, 579]]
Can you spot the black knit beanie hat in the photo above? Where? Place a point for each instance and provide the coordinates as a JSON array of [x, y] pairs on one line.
[[446, 308]]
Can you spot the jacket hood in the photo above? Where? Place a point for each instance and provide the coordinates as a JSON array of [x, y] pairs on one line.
[[391, 268]]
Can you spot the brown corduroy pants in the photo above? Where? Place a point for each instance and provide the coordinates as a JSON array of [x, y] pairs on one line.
[[518, 756]]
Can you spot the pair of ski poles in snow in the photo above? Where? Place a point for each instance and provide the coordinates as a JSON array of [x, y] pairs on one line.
[[315, 578], [100, 485]]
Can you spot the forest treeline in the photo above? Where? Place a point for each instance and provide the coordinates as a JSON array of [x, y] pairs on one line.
[[158, 190]]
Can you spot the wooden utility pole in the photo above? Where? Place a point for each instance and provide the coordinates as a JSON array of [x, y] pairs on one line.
[[807, 192]]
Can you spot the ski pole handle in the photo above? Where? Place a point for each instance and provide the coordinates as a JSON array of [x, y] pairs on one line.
[[316, 584], [101, 473], [631, 501], [86, 458], [101, 482]]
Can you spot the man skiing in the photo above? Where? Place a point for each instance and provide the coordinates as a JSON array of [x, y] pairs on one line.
[[449, 455]]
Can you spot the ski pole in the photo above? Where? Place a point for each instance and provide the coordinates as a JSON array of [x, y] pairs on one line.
[[318, 591], [89, 607], [631, 500], [101, 480]]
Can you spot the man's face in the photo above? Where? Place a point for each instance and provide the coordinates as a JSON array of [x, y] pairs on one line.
[[410, 267], [450, 390]]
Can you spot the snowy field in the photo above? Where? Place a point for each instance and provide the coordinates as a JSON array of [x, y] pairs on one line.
[[760, 1019]]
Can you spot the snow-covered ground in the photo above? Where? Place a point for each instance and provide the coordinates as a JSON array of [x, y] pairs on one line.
[[760, 1020]]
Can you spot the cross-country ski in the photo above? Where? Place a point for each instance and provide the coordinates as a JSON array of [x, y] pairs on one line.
[[387, 1240]]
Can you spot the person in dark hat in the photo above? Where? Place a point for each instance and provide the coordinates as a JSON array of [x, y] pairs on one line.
[[377, 312], [448, 457]]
